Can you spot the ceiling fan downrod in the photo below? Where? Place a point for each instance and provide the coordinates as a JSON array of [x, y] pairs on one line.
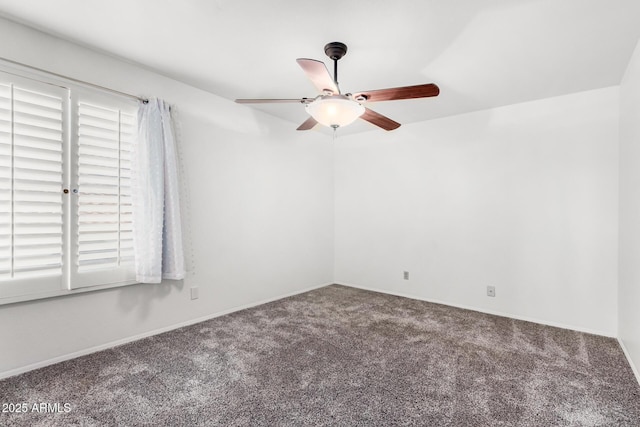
[[335, 51]]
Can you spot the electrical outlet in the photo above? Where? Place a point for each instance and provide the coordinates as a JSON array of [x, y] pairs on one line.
[[491, 291], [405, 275], [195, 292]]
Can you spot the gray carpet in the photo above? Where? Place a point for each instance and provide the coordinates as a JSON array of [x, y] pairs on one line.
[[342, 356]]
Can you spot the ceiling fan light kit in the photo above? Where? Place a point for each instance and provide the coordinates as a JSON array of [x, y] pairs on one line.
[[333, 109]]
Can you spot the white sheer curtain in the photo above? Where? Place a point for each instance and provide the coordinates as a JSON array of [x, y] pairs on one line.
[[157, 227]]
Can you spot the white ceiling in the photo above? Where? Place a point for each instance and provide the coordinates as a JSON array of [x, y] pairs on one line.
[[482, 53]]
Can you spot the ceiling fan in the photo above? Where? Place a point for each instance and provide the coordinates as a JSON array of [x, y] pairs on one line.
[[332, 108]]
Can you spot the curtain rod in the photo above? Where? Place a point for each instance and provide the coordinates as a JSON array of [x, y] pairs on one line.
[[128, 95]]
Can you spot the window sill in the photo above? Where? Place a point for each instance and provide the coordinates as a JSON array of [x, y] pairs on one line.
[[62, 292]]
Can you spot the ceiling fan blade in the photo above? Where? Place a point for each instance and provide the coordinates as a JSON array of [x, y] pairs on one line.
[[379, 120], [308, 124], [392, 94], [274, 101], [317, 72]]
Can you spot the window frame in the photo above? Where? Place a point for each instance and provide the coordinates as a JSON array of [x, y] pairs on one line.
[[75, 93]]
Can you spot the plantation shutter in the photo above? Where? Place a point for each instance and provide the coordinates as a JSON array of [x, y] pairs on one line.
[[65, 187], [103, 235], [32, 176]]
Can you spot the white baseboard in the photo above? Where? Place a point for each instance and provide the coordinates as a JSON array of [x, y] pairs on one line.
[[482, 310], [628, 356], [84, 352]]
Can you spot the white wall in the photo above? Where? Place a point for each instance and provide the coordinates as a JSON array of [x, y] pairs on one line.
[[522, 197], [629, 252], [261, 216]]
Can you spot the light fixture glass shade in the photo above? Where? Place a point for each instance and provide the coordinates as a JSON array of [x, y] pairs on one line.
[[335, 110]]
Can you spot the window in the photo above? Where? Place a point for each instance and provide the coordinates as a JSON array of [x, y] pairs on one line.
[[65, 193]]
